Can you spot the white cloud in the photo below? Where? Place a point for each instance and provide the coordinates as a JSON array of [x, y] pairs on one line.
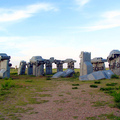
[[28, 11], [111, 14], [110, 19], [82, 2], [3, 28], [23, 48], [100, 27]]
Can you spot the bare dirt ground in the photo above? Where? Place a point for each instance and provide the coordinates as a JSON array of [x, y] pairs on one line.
[[66, 103]]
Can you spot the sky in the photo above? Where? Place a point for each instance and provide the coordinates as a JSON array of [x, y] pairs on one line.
[[58, 28]]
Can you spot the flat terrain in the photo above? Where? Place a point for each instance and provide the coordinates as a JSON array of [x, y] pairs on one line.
[[42, 98]]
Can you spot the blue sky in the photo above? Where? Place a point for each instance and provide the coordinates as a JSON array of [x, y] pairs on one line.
[[58, 28]]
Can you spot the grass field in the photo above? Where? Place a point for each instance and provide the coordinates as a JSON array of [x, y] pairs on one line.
[[19, 91]]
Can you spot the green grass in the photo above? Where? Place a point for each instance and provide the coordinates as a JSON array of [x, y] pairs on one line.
[[109, 116], [113, 91], [109, 88], [99, 103], [45, 95], [68, 93], [114, 76], [93, 86], [97, 82], [60, 95], [60, 109], [9, 84], [91, 118], [74, 87], [48, 78], [75, 117], [29, 81], [111, 84], [60, 101], [21, 90]]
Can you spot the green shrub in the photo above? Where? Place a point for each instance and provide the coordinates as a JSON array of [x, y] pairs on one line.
[[10, 79], [111, 92], [117, 97], [109, 88], [118, 105], [97, 82], [14, 73], [114, 94], [93, 86], [115, 76], [28, 81], [3, 92], [6, 78], [111, 84], [75, 84], [48, 78], [6, 85], [76, 75], [74, 87]]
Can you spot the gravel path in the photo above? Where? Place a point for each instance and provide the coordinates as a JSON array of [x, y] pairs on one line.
[[70, 104]]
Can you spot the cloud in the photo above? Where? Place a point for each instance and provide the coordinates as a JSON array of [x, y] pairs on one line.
[[17, 14], [109, 19], [2, 29], [23, 48], [82, 2], [111, 14], [100, 27]]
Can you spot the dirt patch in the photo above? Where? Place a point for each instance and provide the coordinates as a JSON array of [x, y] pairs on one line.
[[66, 103]]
